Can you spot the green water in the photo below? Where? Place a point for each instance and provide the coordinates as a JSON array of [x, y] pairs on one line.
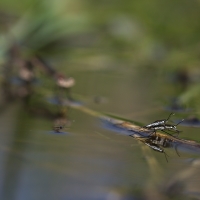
[[124, 57], [90, 161]]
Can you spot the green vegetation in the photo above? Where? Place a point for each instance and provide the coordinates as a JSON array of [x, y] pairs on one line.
[[125, 57]]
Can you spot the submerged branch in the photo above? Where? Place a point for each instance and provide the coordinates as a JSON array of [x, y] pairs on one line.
[[136, 131]]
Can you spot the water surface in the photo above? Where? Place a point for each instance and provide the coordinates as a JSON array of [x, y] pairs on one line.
[[87, 160]]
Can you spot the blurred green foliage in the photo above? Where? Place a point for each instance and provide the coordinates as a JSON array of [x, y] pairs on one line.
[[161, 35], [155, 29]]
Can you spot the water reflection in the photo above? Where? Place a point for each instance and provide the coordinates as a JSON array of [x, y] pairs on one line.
[[191, 122], [49, 166], [50, 156]]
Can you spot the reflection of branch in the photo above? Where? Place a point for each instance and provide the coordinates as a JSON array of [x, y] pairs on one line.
[[133, 129]]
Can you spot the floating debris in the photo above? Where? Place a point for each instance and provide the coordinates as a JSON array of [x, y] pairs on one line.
[[58, 129], [64, 82]]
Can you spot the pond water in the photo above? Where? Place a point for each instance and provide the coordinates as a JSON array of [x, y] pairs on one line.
[[87, 160]]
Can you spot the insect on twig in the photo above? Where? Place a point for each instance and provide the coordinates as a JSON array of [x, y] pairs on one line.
[[158, 122], [170, 127], [162, 126]]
